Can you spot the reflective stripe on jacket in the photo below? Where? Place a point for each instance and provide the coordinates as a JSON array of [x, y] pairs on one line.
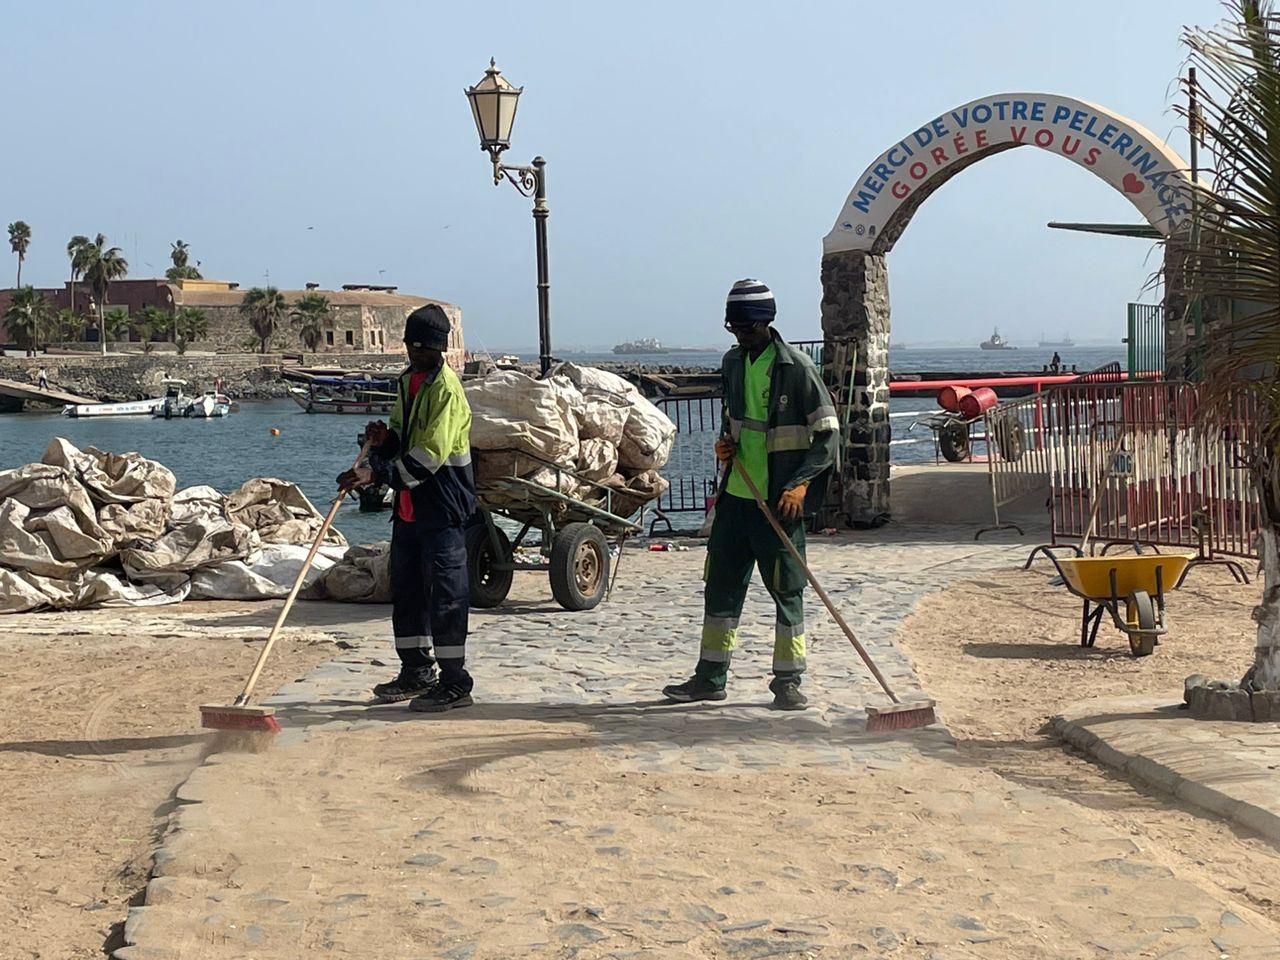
[[802, 431], [428, 450]]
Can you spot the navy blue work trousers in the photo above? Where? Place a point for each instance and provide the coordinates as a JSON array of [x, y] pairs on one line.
[[430, 598]]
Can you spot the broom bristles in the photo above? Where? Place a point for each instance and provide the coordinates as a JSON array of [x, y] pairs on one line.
[[261, 719], [901, 716]]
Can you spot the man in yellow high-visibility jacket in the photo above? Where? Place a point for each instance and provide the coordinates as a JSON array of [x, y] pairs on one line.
[[425, 456]]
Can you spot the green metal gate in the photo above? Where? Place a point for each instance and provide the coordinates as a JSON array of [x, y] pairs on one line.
[[1146, 341]]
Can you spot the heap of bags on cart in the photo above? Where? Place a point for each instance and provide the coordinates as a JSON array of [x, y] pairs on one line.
[[586, 433], [83, 527]]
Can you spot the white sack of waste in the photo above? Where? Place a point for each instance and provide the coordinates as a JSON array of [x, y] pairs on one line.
[[48, 525], [22, 591], [279, 511], [591, 380], [191, 546], [647, 438], [131, 493], [113, 477], [198, 503], [265, 575], [361, 576], [513, 412], [598, 459]]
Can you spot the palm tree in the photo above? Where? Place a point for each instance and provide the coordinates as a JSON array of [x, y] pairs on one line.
[[149, 322], [75, 253], [309, 314], [70, 325], [189, 324], [19, 241], [1235, 260], [102, 264], [264, 307], [117, 323], [28, 317], [181, 269]]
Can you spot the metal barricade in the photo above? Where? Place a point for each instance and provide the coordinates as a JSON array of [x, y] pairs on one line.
[[1131, 464], [1018, 458]]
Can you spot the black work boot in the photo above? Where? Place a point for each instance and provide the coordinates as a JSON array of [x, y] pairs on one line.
[[695, 688], [787, 695], [444, 695], [407, 685]]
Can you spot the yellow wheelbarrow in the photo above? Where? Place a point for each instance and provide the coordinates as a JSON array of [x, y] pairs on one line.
[[1139, 582]]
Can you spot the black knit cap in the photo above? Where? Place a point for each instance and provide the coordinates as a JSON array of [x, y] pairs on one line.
[[428, 327]]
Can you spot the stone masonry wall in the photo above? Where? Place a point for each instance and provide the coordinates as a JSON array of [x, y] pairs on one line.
[[855, 303]]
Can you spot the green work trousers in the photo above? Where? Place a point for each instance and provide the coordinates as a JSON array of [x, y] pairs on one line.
[[741, 538]]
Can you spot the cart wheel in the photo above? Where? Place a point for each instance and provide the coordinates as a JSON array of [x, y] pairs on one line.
[[1011, 440], [953, 440], [489, 587], [1140, 613], [579, 566]]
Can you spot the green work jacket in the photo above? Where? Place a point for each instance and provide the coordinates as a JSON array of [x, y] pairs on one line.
[[802, 431]]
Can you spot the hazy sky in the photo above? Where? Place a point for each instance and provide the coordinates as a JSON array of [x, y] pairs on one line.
[[688, 145]]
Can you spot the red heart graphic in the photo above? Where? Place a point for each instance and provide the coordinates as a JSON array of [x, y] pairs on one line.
[[1132, 184]]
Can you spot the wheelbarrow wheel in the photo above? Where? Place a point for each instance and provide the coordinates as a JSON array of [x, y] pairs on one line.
[[489, 586], [579, 566], [953, 441], [1140, 614], [1011, 440]]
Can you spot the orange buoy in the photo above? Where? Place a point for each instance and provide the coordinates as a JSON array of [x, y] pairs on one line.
[[949, 397], [974, 402], [275, 431]]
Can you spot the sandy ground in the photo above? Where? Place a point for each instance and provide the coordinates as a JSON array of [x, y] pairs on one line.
[[98, 728], [1001, 654], [502, 831]]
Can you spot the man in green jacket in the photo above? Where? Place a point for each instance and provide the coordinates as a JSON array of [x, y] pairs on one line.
[[780, 424]]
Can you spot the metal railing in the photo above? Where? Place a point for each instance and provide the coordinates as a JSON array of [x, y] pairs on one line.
[[1146, 340], [1018, 461]]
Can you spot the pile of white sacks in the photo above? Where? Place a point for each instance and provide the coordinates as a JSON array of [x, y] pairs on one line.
[[85, 528], [588, 422]]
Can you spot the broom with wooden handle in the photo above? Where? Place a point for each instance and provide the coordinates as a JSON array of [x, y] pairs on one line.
[[899, 716], [239, 715]]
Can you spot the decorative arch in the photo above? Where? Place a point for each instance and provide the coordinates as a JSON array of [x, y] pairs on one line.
[[1144, 169]]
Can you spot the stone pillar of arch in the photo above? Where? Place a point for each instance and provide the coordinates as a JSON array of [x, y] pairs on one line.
[[855, 304], [855, 281]]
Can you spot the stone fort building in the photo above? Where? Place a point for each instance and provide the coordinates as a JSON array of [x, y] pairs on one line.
[[363, 318]]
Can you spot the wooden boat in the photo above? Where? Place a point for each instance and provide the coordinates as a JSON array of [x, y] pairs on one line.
[[365, 396]]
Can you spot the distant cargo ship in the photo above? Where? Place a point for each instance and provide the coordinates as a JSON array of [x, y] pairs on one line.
[[643, 345], [995, 342], [651, 346], [1066, 341]]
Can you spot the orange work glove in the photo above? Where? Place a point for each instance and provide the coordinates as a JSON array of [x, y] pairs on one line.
[[725, 449], [791, 503]]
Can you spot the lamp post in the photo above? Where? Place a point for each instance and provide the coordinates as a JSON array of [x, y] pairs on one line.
[[493, 105]]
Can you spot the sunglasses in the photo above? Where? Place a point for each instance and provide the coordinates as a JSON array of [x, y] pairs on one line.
[[741, 327]]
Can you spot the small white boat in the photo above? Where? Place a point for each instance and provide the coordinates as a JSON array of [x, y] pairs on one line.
[[174, 403], [208, 405], [131, 408]]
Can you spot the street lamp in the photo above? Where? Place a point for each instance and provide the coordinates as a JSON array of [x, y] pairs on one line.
[[493, 105]]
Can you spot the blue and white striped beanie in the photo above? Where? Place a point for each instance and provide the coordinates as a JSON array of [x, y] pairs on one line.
[[750, 301]]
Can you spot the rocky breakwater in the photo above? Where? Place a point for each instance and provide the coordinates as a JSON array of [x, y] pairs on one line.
[[120, 377]]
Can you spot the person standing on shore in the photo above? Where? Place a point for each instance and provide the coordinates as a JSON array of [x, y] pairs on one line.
[[42, 379], [425, 456], [778, 421]]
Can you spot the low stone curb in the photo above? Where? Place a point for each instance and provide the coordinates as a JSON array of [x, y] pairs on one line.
[[1187, 778]]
